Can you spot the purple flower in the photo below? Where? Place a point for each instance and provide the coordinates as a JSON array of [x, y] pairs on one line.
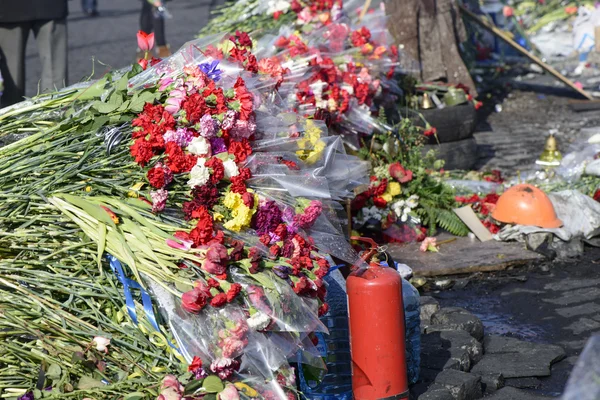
[[229, 120], [200, 373], [282, 271], [208, 126], [211, 70], [288, 218], [27, 396], [217, 145], [182, 136], [267, 218]]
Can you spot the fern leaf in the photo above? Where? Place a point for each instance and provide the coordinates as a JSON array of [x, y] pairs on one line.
[[449, 221]]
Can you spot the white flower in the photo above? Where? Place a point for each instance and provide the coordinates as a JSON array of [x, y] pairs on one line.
[[231, 169], [277, 5], [348, 88], [259, 321], [101, 343], [199, 175], [199, 146], [317, 89], [397, 207], [404, 217], [412, 201]]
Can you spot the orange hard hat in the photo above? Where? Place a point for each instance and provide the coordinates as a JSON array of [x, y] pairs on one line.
[[526, 205]]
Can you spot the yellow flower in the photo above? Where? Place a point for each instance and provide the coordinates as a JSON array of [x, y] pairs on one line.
[[247, 390], [393, 189], [241, 215], [231, 200], [218, 216], [311, 146]]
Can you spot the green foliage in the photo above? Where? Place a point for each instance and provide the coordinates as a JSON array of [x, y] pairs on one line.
[[404, 144]]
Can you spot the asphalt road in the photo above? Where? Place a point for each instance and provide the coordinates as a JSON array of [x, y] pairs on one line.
[[108, 41]]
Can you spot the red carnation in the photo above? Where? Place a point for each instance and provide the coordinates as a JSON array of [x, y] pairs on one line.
[[323, 309], [203, 232], [597, 195], [248, 199], [218, 171], [274, 250], [431, 131], [233, 291], [177, 160], [244, 97], [213, 283], [281, 231], [379, 202], [194, 107], [219, 300], [195, 365], [193, 301], [141, 150], [265, 239], [241, 150], [156, 177]]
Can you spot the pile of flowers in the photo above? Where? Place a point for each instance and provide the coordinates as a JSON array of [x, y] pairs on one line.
[[211, 266], [483, 207]]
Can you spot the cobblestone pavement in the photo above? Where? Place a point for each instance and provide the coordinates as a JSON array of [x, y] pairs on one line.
[[555, 303], [109, 39], [513, 138]]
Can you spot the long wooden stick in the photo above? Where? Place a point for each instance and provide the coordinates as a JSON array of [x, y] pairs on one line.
[[363, 12], [502, 35]]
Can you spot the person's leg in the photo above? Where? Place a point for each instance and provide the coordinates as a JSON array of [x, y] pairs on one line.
[[163, 49], [146, 17], [13, 39], [51, 38]]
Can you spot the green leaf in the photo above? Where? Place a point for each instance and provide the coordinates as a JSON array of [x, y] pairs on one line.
[[116, 99], [193, 387], [93, 210], [86, 382], [134, 396], [95, 90], [101, 243], [122, 83], [53, 372], [105, 108], [213, 384]]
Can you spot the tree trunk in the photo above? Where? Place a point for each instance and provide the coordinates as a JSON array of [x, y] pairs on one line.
[[429, 32]]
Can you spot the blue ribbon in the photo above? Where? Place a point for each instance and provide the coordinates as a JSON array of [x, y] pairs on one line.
[[127, 283]]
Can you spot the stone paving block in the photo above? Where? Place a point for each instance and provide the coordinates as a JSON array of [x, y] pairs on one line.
[[572, 284], [515, 358], [457, 342], [429, 306], [491, 383], [462, 385], [583, 325], [459, 318], [575, 296], [582, 309], [436, 392], [509, 393], [523, 383]]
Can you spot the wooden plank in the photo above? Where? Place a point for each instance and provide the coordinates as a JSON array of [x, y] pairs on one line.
[[502, 35], [584, 105], [462, 256]]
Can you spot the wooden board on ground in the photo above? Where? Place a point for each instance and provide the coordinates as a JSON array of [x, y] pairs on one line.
[[462, 256]]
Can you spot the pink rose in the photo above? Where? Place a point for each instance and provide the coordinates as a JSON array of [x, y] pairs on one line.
[[229, 393]]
